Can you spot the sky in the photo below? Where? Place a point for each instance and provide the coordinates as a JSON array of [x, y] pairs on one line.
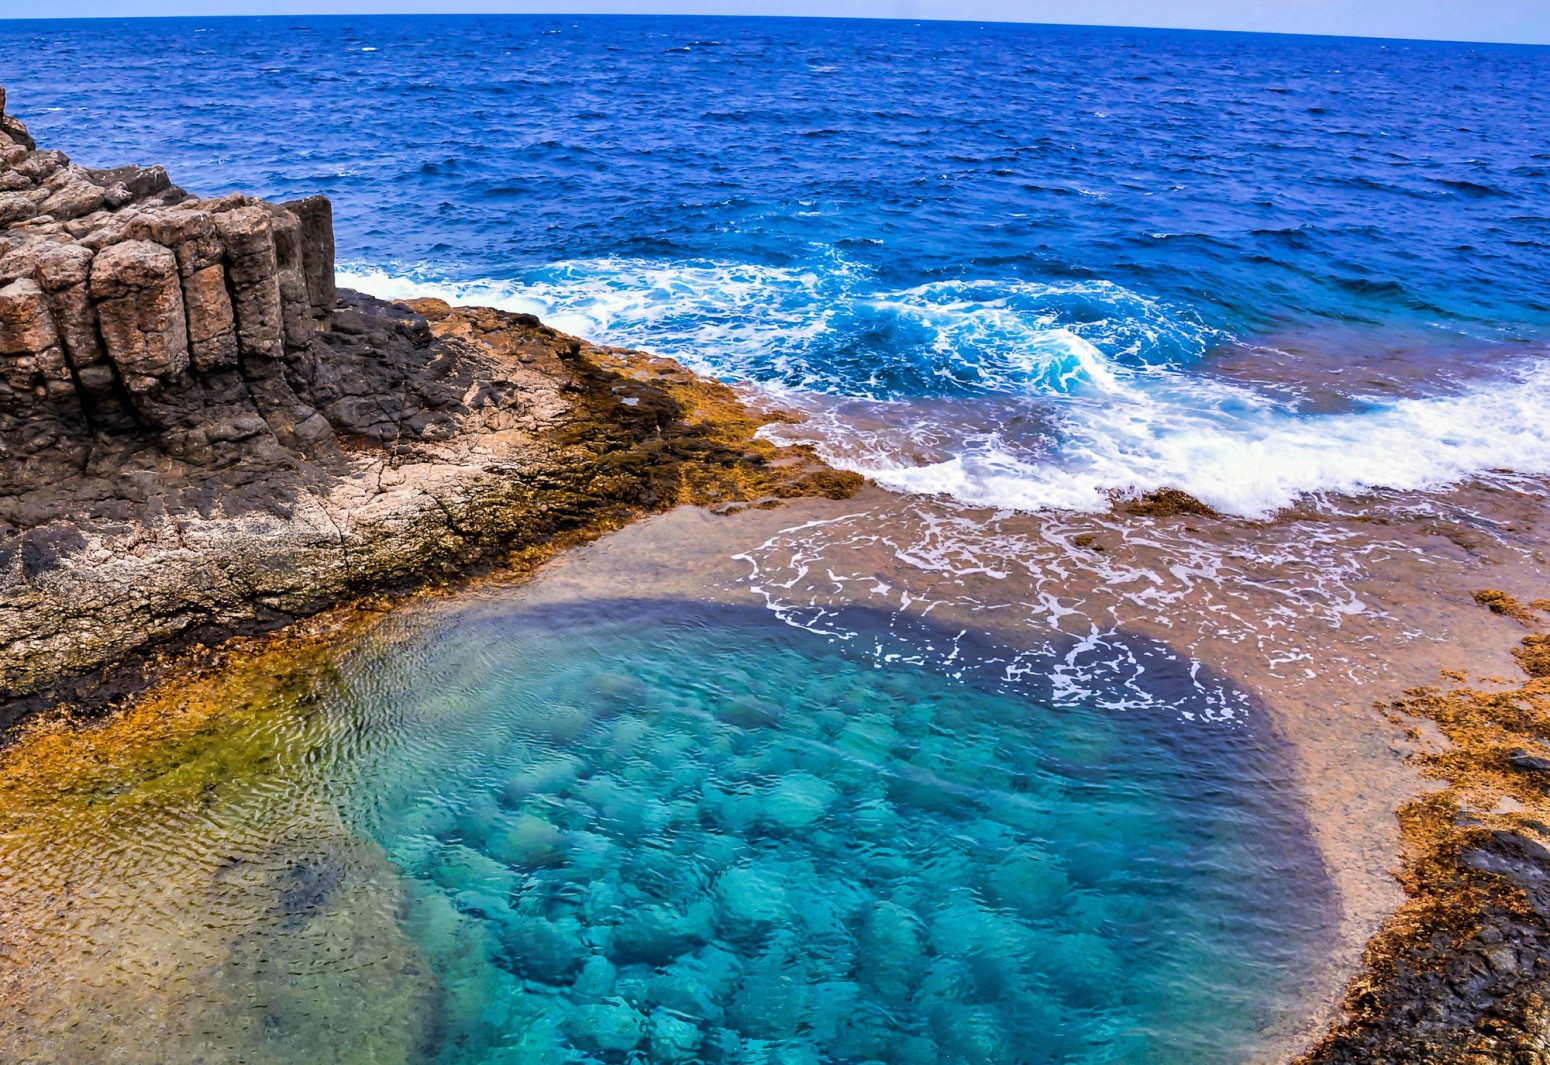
[[1517, 21]]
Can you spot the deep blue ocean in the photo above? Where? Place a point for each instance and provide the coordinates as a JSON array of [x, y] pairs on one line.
[[1020, 265]]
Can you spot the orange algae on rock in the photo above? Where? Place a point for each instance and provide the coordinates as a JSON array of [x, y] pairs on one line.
[[1533, 655], [692, 439], [1499, 602], [1167, 503], [1459, 973]]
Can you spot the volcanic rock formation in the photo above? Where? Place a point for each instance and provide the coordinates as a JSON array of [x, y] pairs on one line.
[[126, 303], [199, 435]]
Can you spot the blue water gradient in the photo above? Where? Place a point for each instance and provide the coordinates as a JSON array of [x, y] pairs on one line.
[[655, 832], [1043, 224]]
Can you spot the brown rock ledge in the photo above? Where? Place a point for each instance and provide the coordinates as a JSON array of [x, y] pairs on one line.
[[199, 436]]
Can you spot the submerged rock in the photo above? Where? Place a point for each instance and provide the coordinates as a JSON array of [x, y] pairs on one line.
[[891, 947], [655, 935], [544, 950], [797, 801], [460, 868], [774, 1000], [673, 1039], [547, 777], [1032, 883], [525, 841], [606, 1027], [686, 991], [752, 898], [595, 982]]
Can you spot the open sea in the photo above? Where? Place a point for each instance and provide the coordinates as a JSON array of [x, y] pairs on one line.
[[1022, 266], [1027, 269]]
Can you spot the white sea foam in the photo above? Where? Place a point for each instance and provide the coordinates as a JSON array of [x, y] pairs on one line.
[[1175, 431], [1036, 395]]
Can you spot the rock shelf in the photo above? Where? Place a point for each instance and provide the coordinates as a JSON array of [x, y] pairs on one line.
[[200, 435]]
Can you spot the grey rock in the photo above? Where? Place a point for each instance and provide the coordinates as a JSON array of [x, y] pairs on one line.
[[316, 215], [252, 268], [295, 310], [141, 183], [12, 128], [19, 206], [40, 166], [1529, 762], [73, 197]]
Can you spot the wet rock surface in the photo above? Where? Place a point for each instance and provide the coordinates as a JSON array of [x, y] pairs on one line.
[[1462, 988], [1470, 994], [199, 435], [1459, 974]]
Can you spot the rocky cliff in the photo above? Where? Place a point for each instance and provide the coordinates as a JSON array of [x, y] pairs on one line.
[[199, 435], [129, 308]]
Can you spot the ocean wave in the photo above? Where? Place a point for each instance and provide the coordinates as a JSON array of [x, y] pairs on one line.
[[1012, 393], [1181, 433], [828, 326]]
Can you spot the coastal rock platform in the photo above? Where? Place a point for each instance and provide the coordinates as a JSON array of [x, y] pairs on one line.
[[199, 435]]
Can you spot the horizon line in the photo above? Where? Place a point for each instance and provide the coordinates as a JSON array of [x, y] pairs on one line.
[[5, 18]]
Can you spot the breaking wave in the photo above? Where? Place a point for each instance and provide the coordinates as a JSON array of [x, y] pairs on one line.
[[1014, 393]]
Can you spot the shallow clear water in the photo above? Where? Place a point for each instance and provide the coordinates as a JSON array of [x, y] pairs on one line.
[[609, 831], [1029, 247], [669, 833]]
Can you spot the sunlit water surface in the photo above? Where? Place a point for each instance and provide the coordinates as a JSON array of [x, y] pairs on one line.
[[1030, 252]]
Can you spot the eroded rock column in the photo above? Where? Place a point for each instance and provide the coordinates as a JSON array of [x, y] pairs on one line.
[[140, 312], [252, 268], [295, 310], [192, 236], [64, 272], [316, 215], [41, 421], [33, 369]]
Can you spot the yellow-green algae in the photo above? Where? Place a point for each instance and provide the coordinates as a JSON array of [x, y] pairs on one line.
[[220, 941]]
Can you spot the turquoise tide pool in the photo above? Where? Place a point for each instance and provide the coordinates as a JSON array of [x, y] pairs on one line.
[[652, 832]]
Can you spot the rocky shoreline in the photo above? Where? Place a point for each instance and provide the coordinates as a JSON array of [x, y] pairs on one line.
[[199, 436], [1459, 975]]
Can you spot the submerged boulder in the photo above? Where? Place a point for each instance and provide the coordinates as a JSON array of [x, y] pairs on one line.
[[607, 1027]]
